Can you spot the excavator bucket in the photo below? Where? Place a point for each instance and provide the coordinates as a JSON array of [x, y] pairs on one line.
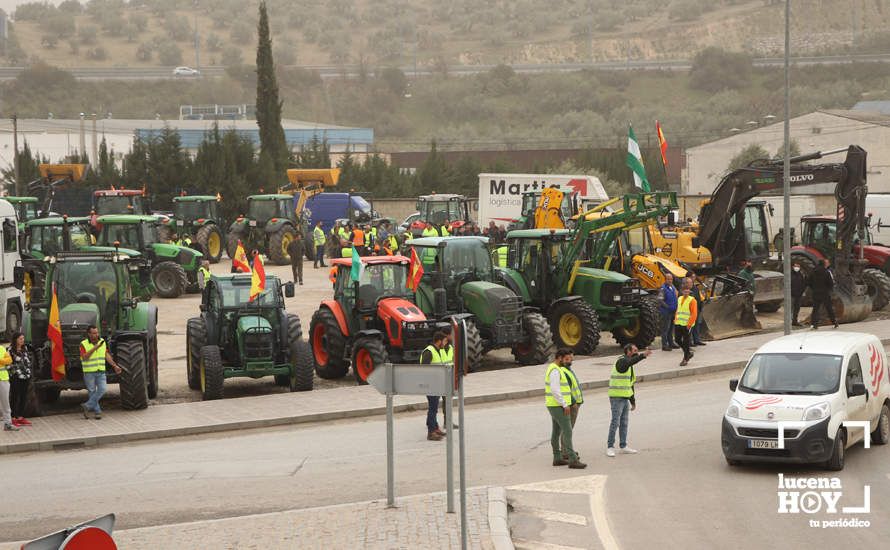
[[729, 315], [849, 307]]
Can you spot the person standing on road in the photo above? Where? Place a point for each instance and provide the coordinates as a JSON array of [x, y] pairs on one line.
[[577, 400], [822, 283], [558, 397], [295, 249], [434, 353], [318, 239], [698, 293], [667, 307], [684, 320], [798, 287], [622, 398], [5, 410], [20, 379], [93, 356]]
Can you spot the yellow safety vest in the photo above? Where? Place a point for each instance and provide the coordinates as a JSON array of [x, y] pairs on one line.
[[346, 252], [430, 232], [96, 362], [409, 235], [502, 256], [577, 397], [683, 311], [5, 361], [439, 357], [318, 236], [343, 234], [564, 388], [621, 384], [444, 231], [205, 273]]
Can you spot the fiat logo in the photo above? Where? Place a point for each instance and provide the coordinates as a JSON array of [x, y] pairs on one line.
[[770, 415]]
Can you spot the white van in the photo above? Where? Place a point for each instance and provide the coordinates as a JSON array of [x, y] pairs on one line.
[[814, 382]]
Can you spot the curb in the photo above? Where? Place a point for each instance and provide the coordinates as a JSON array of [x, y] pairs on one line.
[[497, 519]]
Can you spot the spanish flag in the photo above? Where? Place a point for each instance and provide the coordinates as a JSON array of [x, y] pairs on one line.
[[662, 144], [258, 281], [54, 334], [415, 271], [239, 262]]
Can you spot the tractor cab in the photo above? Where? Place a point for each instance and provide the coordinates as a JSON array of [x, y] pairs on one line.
[[262, 209], [195, 208], [26, 208], [382, 277], [535, 253], [120, 201], [49, 236], [438, 210], [133, 232]]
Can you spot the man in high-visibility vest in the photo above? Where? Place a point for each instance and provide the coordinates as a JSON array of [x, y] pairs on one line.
[[434, 353], [558, 397], [204, 274], [621, 397], [430, 231], [318, 239], [577, 400], [684, 320], [93, 356], [357, 237]]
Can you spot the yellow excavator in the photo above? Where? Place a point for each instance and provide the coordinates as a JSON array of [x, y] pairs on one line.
[[308, 182]]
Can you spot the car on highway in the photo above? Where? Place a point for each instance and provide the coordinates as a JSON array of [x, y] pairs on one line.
[[821, 392], [186, 71]]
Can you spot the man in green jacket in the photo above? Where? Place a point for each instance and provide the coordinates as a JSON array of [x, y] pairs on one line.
[[559, 398]]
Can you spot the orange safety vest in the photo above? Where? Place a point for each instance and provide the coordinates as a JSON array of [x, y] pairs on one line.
[[358, 237]]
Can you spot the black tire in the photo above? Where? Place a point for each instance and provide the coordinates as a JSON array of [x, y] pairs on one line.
[[538, 348], [278, 243], [130, 355], [202, 237], [13, 319], [169, 279], [151, 351], [294, 333], [195, 339], [881, 435], [368, 353], [328, 345], [769, 307], [302, 375], [644, 330], [807, 266], [879, 284], [836, 462], [475, 349], [212, 375], [49, 395], [232, 244], [588, 323], [731, 462]]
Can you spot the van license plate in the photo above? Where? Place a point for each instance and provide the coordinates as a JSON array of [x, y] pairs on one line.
[[763, 444]]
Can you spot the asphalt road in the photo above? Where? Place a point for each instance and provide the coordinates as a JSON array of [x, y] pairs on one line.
[[677, 493], [334, 71]]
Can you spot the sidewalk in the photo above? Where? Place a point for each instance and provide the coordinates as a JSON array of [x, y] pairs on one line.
[[72, 431]]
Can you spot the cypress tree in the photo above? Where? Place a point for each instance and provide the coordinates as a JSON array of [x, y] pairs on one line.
[[273, 147]]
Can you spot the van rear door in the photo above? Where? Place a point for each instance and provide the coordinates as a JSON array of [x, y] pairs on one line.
[[857, 405]]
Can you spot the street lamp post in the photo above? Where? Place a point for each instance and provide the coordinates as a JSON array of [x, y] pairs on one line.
[[786, 177]]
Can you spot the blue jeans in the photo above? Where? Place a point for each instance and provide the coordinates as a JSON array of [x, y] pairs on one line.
[[431, 424], [95, 383], [620, 412], [667, 329], [319, 255], [696, 337]]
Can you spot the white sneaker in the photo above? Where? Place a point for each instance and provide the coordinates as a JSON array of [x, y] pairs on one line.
[[610, 451], [628, 451]]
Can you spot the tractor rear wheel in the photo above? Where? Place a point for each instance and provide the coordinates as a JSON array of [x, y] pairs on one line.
[[232, 244], [879, 284], [575, 325], [368, 353], [211, 240], [538, 347], [133, 377], [151, 351], [169, 279], [475, 350], [642, 330], [294, 333], [278, 243], [328, 345], [195, 338], [302, 368], [212, 374]]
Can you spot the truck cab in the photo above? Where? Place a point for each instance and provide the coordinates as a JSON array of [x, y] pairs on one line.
[[813, 385], [329, 207]]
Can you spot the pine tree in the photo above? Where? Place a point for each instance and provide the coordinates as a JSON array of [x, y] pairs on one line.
[[273, 147]]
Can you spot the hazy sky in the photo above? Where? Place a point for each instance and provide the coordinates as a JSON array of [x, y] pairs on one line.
[[9, 5]]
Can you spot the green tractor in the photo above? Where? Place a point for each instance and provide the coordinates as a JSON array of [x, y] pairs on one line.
[[239, 337], [92, 289], [567, 274], [49, 236], [174, 268], [198, 217], [459, 280], [26, 209], [270, 225]]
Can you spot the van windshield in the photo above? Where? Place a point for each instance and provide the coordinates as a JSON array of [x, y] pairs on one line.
[[792, 373]]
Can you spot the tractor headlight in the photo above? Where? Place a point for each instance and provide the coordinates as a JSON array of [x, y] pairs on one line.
[[733, 410], [817, 411]]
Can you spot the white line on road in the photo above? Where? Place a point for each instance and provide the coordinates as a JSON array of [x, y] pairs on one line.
[[536, 544], [550, 515]]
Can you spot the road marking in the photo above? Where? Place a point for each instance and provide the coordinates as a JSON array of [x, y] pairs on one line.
[[523, 543], [550, 515]]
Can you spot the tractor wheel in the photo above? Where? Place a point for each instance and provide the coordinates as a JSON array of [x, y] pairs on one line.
[[152, 353], [278, 243], [475, 349], [212, 375], [294, 333], [13, 319], [133, 377], [643, 330], [328, 345], [807, 266], [575, 325], [211, 240], [169, 279], [880, 283], [769, 307], [538, 348], [302, 367], [368, 353], [49, 395], [232, 244], [195, 339]]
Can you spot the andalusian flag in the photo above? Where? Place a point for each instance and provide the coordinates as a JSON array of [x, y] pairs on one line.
[[635, 161], [239, 262], [662, 145], [258, 279], [415, 271], [54, 335], [357, 266]]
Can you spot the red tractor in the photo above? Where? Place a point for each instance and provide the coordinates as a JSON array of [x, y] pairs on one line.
[[819, 240], [121, 201], [444, 209], [368, 322]]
